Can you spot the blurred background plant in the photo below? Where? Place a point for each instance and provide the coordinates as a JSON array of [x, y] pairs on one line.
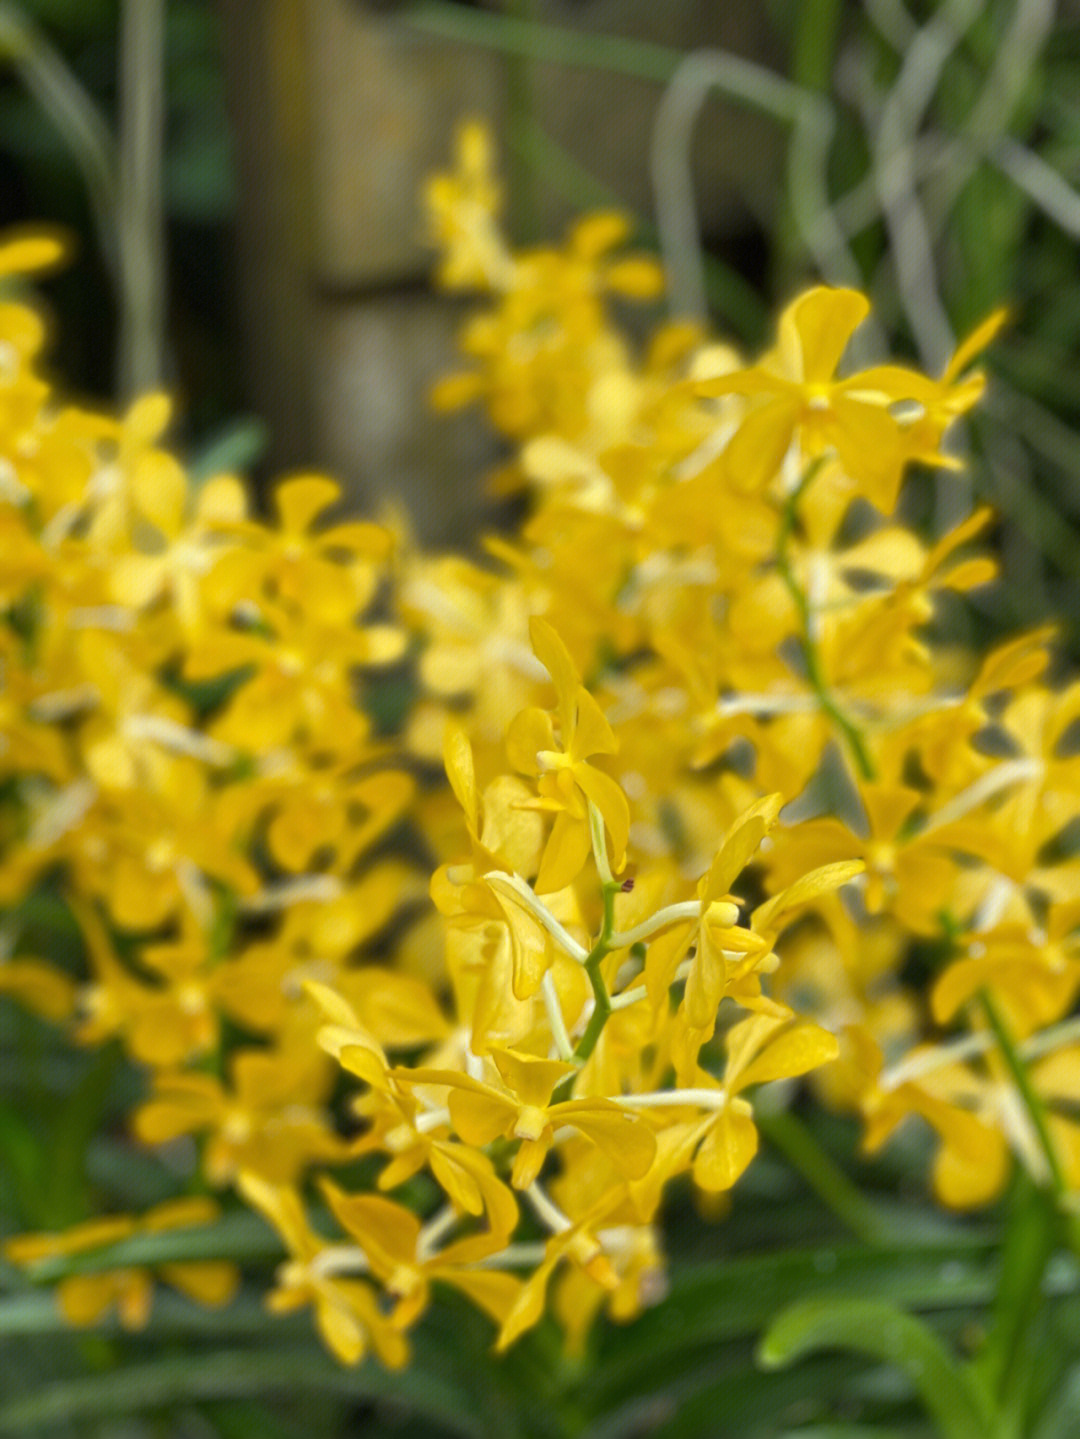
[[927, 153], [930, 159]]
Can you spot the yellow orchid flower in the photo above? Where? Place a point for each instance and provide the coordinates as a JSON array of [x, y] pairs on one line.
[[268, 1119], [410, 1131], [574, 1242], [521, 1109], [567, 782], [347, 1313], [803, 400], [760, 1048], [724, 951], [392, 1238], [462, 209], [329, 575]]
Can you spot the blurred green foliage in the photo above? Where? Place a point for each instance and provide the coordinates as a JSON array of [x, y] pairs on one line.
[[685, 1370]]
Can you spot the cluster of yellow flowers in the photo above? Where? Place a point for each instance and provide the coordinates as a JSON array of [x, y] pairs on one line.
[[711, 613]]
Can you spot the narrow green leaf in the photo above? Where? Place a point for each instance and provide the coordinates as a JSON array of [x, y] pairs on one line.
[[76, 1121], [742, 81], [23, 1159], [1031, 1236], [30, 1314], [237, 1373], [241, 1236], [236, 446], [173, 1316], [882, 1331]]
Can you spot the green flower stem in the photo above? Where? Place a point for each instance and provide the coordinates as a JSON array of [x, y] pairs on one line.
[[602, 1008], [814, 38], [500, 879], [563, 1047], [609, 888], [671, 914], [123, 177], [812, 660], [602, 999], [522, 174], [1036, 1110], [797, 1144]]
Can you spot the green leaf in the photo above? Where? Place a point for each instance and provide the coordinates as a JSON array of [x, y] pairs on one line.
[[236, 446], [30, 1314], [246, 1419], [711, 1304], [76, 1121], [238, 1373], [23, 1159], [1061, 1418], [989, 224], [36, 1312], [882, 1331], [1031, 1236], [241, 1236]]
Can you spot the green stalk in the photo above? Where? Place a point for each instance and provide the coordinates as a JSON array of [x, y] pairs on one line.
[[797, 1144], [601, 998], [1036, 1110], [813, 55], [813, 59]]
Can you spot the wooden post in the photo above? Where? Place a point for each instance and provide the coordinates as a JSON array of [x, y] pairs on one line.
[[340, 112]]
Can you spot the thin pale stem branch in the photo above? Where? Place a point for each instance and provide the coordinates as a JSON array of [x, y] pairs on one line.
[[141, 214], [672, 914], [73, 113], [498, 879], [563, 1047], [547, 1211]]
